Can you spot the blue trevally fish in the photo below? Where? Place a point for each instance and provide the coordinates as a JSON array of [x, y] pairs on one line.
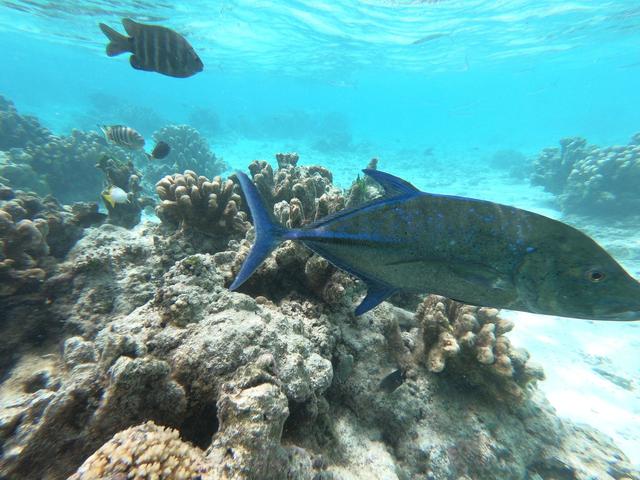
[[474, 251]]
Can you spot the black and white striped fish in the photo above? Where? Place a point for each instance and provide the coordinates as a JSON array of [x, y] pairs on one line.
[[154, 48], [123, 136]]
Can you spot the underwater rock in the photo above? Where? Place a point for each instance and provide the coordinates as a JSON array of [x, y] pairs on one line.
[[470, 342], [19, 131], [589, 179], [145, 451], [189, 151], [209, 206]]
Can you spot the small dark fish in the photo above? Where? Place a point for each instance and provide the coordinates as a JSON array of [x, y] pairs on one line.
[[429, 38], [393, 381], [479, 252], [123, 136], [160, 151], [154, 48]]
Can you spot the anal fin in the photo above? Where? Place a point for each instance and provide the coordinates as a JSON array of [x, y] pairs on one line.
[[376, 294]]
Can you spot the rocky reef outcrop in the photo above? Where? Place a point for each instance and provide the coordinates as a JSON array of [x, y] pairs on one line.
[[591, 180]]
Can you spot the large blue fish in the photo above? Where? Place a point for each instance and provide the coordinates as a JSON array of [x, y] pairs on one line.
[[473, 251]]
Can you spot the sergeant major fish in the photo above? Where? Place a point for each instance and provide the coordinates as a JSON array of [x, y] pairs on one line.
[[473, 251], [154, 48], [129, 138], [123, 136]]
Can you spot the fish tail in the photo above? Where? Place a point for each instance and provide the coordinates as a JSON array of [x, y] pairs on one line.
[[118, 43], [268, 233], [107, 198]]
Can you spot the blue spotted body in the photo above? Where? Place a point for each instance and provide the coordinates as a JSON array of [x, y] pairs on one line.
[[474, 251]]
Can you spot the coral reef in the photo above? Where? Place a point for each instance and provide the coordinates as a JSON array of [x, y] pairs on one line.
[[18, 131], [364, 188], [126, 177], [589, 179], [189, 151], [471, 343], [145, 451], [195, 202], [282, 382], [67, 163], [298, 195]]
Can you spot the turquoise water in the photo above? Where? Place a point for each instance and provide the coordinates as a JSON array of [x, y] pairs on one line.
[[432, 89]]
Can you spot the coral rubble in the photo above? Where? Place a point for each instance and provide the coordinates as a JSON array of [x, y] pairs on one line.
[[590, 179]]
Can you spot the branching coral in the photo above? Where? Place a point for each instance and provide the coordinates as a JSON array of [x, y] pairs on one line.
[[589, 179], [298, 195], [142, 452], [471, 342], [210, 206]]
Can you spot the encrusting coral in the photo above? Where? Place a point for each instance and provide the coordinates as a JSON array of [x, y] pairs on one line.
[[209, 206], [143, 452], [589, 179], [470, 342]]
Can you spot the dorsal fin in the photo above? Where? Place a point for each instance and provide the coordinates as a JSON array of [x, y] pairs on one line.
[[393, 186]]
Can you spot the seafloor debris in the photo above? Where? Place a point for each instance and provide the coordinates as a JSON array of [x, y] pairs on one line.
[[589, 179]]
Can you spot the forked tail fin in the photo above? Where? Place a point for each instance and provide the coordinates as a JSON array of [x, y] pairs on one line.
[[268, 233], [118, 43]]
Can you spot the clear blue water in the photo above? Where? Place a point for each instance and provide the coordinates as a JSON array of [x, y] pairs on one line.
[[391, 79]]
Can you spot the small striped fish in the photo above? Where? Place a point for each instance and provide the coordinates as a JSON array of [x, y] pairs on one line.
[[123, 136], [154, 48]]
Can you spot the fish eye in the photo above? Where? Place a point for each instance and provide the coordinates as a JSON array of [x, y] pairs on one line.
[[595, 276]]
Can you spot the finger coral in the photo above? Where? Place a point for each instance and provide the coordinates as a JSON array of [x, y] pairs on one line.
[[298, 195], [210, 206], [18, 131], [143, 452], [471, 342]]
